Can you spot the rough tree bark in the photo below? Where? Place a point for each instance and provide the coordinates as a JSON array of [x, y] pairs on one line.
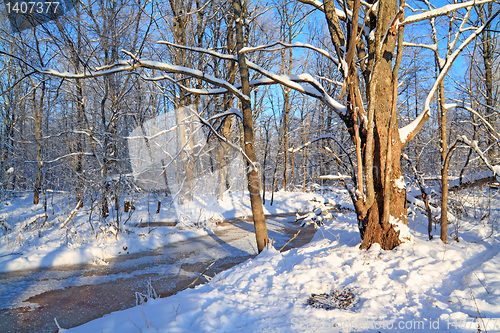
[[380, 199], [378, 145], [252, 172]]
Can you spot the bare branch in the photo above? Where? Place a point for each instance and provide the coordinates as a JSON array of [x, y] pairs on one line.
[[287, 45], [432, 47], [291, 81], [442, 11], [409, 131], [222, 138], [494, 133]]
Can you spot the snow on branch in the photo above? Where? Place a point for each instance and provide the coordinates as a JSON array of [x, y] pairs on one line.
[[287, 45], [231, 111], [320, 6], [194, 91], [442, 11], [337, 83], [473, 145], [409, 131], [479, 178], [130, 65], [314, 89], [150, 64], [200, 50], [205, 91], [494, 133], [333, 177], [120, 66], [432, 47]]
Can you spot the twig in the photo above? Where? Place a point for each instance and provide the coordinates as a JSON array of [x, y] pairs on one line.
[[477, 277], [71, 214], [477, 309], [291, 239], [199, 276], [59, 328]]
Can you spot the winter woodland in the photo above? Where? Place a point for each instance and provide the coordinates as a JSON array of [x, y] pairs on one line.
[[117, 113]]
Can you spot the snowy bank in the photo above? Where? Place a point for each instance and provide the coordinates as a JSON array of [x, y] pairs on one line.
[[35, 238], [423, 286]]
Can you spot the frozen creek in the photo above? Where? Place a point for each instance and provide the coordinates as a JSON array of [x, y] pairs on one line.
[[31, 299]]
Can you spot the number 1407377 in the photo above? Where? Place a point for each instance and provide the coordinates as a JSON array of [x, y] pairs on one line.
[[31, 7]]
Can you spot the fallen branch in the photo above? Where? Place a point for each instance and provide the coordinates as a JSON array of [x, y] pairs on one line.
[[291, 239], [199, 276], [72, 214], [36, 218], [473, 183]]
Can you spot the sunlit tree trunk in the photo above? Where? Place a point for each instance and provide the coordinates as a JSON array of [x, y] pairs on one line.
[[444, 166], [252, 172], [378, 145]]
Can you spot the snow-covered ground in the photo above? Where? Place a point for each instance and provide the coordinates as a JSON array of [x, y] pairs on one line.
[[32, 242], [422, 286]]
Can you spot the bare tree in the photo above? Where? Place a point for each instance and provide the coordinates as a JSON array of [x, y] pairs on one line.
[[367, 43], [457, 25]]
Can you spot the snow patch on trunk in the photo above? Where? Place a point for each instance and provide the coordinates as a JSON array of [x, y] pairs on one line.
[[404, 231], [400, 183]]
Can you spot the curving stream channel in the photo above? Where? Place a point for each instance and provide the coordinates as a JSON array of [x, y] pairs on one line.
[[30, 300]]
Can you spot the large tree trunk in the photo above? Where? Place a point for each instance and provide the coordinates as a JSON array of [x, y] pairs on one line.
[[374, 228], [252, 172], [382, 214], [380, 200], [389, 206]]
